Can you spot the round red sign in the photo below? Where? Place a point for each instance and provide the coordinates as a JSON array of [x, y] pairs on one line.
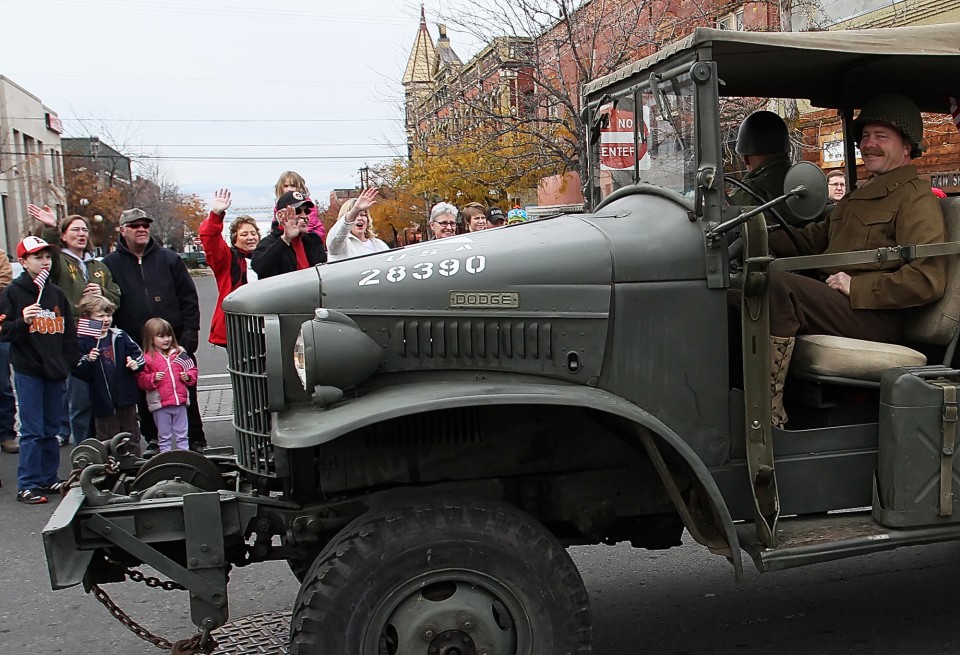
[[617, 151]]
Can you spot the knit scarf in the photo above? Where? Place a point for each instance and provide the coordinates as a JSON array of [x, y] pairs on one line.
[[297, 244]]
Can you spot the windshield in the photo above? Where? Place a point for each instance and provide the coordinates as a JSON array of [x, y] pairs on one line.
[[652, 145]]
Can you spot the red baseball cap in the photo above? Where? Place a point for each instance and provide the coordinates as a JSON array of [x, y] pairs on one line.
[[30, 245]]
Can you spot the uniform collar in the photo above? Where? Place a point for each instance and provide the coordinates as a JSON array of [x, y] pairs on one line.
[[882, 185]]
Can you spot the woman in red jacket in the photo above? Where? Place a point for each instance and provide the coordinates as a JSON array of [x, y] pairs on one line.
[[230, 263]]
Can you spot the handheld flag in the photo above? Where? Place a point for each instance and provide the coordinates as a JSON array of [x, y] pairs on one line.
[[185, 361], [954, 107], [89, 327], [41, 281]]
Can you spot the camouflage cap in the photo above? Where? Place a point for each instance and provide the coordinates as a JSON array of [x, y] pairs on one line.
[[896, 111], [135, 214]]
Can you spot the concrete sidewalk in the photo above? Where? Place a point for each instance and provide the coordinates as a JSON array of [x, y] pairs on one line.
[[216, 401]]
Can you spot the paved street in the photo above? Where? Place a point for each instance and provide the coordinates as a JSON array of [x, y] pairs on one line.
[[677, 602]]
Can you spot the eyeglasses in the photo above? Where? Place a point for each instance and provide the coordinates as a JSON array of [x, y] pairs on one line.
[[837, 184], [139, 226], [302, 210], [446, 223]]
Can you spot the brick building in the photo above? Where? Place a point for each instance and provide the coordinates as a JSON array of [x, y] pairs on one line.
[[31, 165]]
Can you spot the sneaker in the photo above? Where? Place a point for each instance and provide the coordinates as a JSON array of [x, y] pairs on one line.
[[62, 440], [54, 488], [30, 497], [153, 448]]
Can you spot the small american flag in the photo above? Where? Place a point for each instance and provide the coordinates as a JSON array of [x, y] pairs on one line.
[[41, 281], [89, 327], [954, 110], [185, 361]]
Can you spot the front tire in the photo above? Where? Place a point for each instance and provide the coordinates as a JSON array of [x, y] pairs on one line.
[[460, 576]]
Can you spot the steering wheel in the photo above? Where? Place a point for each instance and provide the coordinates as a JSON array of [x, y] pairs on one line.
[[781, 222]]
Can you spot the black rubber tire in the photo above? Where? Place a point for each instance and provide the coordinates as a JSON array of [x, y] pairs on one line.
[[376, 559]]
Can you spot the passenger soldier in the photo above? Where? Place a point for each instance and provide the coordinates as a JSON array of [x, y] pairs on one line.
[[893, 207]]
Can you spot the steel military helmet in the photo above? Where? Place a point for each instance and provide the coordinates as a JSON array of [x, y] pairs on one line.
[[762, 133], [896, 111]]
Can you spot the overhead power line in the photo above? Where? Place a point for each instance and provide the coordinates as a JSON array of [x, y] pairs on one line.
[[208, 120], [222, 10], [268, 145], [181, 78], [237, 158]]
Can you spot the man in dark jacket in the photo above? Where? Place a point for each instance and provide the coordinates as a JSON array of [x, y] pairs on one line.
[[154, 282], [289, 247]]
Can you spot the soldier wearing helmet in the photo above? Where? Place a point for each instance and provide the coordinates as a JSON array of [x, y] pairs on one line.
[[894, 207], [764, 144]]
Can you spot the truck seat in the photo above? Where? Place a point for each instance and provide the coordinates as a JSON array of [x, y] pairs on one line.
[[840, 360]]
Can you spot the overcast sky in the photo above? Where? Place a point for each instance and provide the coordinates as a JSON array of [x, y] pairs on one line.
[[224, 92]]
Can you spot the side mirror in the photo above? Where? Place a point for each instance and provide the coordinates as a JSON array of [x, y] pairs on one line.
[[806, 188]]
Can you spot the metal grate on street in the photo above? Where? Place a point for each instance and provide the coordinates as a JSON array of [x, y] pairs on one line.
[[258, 634]]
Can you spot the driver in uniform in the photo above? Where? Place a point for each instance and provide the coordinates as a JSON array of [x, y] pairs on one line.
[[763, 143], [893, 207]]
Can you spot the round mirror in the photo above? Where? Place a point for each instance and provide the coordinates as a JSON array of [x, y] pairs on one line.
[[809, 202]]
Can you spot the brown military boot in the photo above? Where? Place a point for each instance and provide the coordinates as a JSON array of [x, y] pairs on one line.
[[781, 350]]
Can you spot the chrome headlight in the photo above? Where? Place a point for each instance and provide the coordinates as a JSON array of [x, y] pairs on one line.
[[333, 351], [300, 360]]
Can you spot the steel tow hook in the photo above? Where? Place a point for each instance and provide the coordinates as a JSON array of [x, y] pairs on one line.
[[202, 644]]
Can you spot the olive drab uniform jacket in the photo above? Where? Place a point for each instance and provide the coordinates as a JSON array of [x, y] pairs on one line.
[[895, 208], [766, 180]]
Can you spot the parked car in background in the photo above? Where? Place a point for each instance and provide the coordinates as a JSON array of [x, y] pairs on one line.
[[194, 259]]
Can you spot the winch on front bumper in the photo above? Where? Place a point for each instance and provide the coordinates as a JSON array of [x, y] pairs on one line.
[[181, 513]]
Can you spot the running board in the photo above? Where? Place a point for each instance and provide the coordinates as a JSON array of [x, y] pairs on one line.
[[826, 537]]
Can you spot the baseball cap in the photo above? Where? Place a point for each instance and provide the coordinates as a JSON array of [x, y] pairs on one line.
[[495, 215], [293, 199], [30, 245], [135, 214]]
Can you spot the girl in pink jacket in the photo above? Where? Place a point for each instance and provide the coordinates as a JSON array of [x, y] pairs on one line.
[[168, 371]]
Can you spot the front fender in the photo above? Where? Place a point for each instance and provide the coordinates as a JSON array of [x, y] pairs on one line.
[[304, 426]]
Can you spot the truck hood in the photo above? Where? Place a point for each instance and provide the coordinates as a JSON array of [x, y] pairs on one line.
[[540, 263]]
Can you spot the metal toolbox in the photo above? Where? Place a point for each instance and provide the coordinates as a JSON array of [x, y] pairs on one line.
[[918, 472]]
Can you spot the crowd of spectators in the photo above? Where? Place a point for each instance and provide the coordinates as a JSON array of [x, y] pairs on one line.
[[100, 347]]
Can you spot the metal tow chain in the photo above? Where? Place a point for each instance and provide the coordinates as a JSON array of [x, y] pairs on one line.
[[126, 621], [112, 467], [154, 583], [200, 644]]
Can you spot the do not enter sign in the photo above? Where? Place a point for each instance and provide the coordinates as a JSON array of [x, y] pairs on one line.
[[617, 149]]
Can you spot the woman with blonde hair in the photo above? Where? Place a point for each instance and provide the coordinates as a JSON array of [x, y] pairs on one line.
[[353, 235]]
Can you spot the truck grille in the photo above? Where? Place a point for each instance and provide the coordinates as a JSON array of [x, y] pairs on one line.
[[247, 363]]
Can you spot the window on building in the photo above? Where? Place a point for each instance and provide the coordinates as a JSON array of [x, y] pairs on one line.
[[731, 21]]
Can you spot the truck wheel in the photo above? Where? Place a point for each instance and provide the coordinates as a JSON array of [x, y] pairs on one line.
[[454, 577]]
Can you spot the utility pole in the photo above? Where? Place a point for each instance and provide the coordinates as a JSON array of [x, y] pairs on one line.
[[364, 177]]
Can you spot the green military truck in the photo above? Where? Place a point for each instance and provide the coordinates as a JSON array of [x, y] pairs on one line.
[[420, 433]]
